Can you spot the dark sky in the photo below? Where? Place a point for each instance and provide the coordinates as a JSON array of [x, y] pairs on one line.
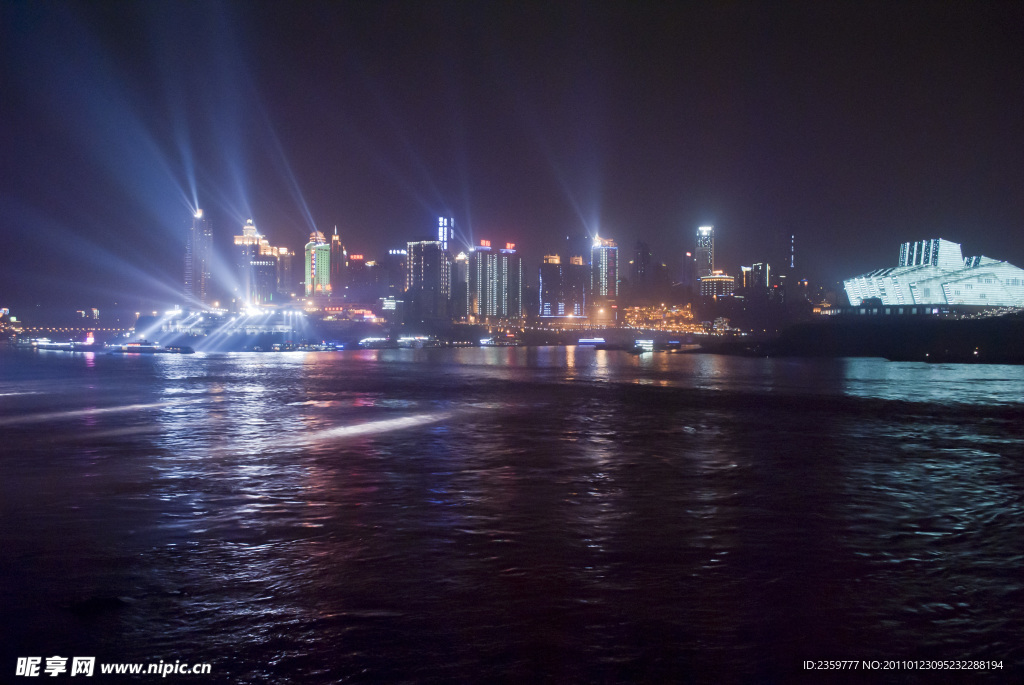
[[853, 126]]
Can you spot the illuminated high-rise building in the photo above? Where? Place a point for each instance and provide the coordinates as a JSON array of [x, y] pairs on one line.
[[495, 282], [563, 286], [705, 253], [460, 287], [552, 288], [746, 281], [761, 276], [604, 268], [247, 251], [717, 285], [285, 273], [317, 274], [427, 282], [264, 271], [198, 261], [393, 265], [264, 274], [576, 284], [510, 283], [339, 267], [445, 231]]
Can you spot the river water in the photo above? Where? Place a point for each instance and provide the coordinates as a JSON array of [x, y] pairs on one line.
[[549, 514]]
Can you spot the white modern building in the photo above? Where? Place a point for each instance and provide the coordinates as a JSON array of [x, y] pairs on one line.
[[935, 271]]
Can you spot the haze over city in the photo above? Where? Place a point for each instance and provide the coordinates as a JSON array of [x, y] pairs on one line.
[[853, 127]]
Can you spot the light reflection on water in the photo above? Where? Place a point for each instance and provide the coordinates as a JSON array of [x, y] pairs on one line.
[[555, 514]]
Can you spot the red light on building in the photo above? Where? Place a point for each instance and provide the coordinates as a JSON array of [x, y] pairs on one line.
[[356, 257], [510, 246], [485, 243]]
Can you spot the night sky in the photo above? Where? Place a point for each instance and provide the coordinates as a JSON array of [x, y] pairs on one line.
[[853, 126]]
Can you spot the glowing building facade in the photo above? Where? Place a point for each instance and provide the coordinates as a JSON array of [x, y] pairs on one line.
[[198, 261], [552, 289], [705, 255], [247, 261], [604, 268], [260, 267], [717, 285], [495, 282], [563, 287], [934, 271], [317, 274], [445, 231], [460, 287]]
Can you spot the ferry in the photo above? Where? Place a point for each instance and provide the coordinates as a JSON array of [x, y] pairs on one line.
[[136, 347], [88, 345]]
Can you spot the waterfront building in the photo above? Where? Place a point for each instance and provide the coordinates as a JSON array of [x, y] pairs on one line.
[[339, 267], [199, 261], [360, 279], [563, 287], [604, 270], [317, 274], [717, 284], [264, 272], [460, 287], [427, 282], [552, 289], [393, 271], [285, 273], [247, 249], [495, 282], [576, 276], [705, 255], [934, 271]]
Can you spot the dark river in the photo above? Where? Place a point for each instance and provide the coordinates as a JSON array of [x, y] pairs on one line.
[[555, 515]]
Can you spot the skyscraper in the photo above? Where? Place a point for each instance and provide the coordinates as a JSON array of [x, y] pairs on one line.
[[198, 260], [445, 231], [510, 283], [285, 282], [761, 276], [575, 285], [604, 268], [428, 281], [339, 267], [641, 274], [247, 251], [317, 274], [705, 251], [260, 267], [495, 282], [552, 292], [460, 287]]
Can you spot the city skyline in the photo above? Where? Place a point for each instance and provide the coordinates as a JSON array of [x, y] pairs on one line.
[[850, 128]]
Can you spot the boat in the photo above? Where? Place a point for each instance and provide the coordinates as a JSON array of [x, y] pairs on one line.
[[136, 347], [88, 345], [179, 349]]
